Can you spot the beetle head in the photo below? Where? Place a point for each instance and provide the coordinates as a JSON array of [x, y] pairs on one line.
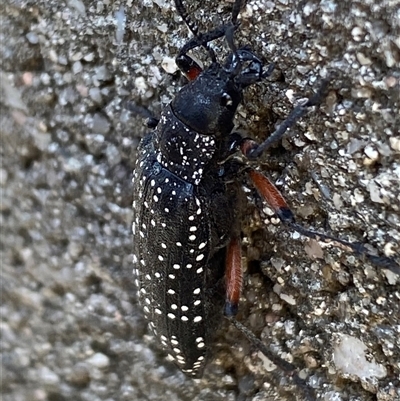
[[208, 104]]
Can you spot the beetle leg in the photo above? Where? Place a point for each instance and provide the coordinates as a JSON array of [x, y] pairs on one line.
[[285, 366], [150, 121], [233, 277], [233, 281], [299, 111], [276, 201], [272, 196]]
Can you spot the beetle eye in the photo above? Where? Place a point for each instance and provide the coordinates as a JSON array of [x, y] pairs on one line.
[[226, 100]]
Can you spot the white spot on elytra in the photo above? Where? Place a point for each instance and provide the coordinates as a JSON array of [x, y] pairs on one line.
[[200, 257], [198, 319]]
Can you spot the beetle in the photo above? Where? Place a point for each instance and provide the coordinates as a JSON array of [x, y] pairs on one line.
[[187, 201]]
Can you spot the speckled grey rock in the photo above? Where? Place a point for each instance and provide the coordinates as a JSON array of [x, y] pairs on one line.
[[71, 328]]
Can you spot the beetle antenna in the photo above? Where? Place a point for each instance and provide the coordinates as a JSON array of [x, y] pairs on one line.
[[236, 10], [194, 28], [237, 65]]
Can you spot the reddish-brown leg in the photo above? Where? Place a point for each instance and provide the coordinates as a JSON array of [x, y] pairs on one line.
[[272, 195], [276, 201], [233, 280], [233, 277]]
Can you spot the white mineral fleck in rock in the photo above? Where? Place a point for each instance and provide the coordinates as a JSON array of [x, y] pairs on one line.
[[350, 357], [99, 360], [169, 65]]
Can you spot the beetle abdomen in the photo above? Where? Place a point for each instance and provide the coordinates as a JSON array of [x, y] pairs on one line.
[[174, 260]]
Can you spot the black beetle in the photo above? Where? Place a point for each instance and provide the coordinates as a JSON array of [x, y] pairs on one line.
[[187, 201], [185, 205]]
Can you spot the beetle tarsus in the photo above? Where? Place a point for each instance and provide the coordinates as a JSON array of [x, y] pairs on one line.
[[298, 112], [285, 366]]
